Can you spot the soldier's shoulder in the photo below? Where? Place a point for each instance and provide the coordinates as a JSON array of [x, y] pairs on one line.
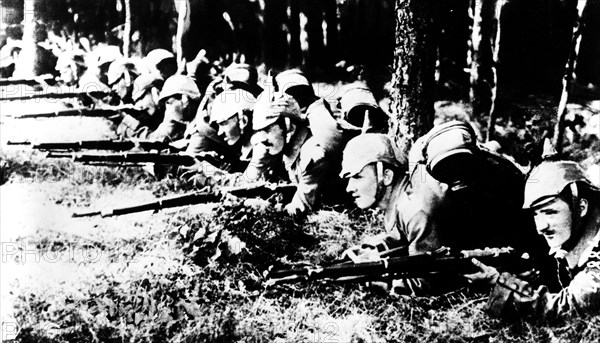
[[311, 152]]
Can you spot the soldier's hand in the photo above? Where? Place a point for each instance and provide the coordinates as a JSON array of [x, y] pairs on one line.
[[486, 275], [361, 254]]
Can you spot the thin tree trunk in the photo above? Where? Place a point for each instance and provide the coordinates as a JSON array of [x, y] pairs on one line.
[[568, 78], [332, 46], [414, 76], [127, 29], [183, 8], [486, 30], [29, 63]]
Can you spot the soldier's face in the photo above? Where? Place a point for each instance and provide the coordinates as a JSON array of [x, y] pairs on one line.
[[175, 107], [146, 102], [67, 75], [230, 130], [363, 187], [121, 88], [272, 137], [554, 221]]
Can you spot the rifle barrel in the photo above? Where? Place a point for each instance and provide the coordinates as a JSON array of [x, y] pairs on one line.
[[140, 157], [65, 95], [175, 201], [405, 266], [103, 144], [26, 81], [83, 112], [18, 143]]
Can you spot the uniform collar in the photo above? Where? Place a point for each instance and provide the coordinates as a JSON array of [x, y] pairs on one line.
[[584, 252], [589, 249]]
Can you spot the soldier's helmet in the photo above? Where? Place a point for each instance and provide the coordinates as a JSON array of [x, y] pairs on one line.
[[549, 179], [244, 76], [291, 78], [267, 111], [229, 103], [142, 83], [70, 58], [365, 149], [448, 151], [121, 68], [356, 100], [104, 55], [180, 84], [156, 56]]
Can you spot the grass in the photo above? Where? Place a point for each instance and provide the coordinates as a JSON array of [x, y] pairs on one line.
[[197, 274], [186, 276]]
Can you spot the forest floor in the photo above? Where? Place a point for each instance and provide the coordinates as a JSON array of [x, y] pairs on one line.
[[197, 273]]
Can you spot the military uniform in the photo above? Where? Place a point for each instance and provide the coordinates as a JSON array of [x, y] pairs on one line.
[[580, 293], [313, 159], [173, 128], [311, 156], [578, 258], [424, 214]]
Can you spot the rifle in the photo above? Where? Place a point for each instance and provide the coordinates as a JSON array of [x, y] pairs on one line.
[[105, 144], [27, 81], [261, 189], [82, 112], [439, 261], [137, 158], [65, 95]]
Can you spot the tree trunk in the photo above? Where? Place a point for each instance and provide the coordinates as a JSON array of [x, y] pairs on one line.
[[332, 46], [414, 76], [184, 14], [30, 61], [486, 28], [127, 29], [569, 76]]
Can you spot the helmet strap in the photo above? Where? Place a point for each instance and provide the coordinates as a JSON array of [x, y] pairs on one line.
[[576, 229], [379, 178]]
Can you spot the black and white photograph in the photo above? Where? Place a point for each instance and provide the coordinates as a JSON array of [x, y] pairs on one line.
[[305, 171]]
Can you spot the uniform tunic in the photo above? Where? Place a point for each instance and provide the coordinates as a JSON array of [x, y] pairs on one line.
[[313, 158]]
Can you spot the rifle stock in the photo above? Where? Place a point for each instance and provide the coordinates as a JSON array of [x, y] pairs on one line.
[[405, 266], [257, 190]]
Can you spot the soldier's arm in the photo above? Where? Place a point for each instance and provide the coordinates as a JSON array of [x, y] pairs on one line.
[[421, 232], [312, 168], [513, 297]]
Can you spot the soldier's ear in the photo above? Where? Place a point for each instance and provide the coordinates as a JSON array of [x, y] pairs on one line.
[[291, 129], [583, 207], [243, 120], [388, 177]]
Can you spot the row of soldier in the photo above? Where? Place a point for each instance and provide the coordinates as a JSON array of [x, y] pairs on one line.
[[449, 191]]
